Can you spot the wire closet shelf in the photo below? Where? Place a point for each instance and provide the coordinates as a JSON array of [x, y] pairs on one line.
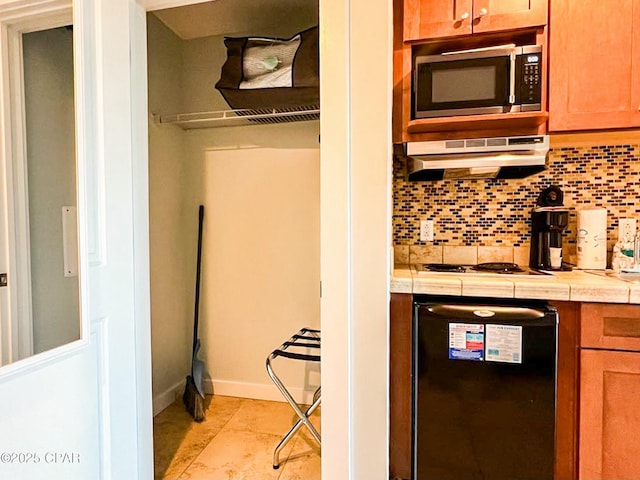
[[233, 118]]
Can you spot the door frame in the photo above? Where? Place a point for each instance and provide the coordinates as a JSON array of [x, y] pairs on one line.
[[356, 173]]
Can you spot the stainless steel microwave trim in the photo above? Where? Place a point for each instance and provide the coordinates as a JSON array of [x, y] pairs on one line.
[[512, 78], [529, 107], [526, 49], [511, 52], [466, 111], [478, 157], [466, 55]]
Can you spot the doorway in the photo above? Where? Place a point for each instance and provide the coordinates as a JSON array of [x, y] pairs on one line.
[[259, 185], [355, 169]]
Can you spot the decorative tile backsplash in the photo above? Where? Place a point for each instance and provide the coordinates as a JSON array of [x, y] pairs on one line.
[[497, 212]]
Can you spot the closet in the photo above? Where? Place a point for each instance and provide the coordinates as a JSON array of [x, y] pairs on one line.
[[258, 178]]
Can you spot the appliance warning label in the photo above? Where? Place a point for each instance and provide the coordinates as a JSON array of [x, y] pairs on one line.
[[504, 343], [466, 341]]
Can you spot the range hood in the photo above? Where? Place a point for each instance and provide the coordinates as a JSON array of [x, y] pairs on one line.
[[495, 157]]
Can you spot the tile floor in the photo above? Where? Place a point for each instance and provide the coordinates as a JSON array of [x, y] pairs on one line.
[[234, 442]]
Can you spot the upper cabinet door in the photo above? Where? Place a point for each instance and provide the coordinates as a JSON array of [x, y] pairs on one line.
[[594, 76], [496, 15], [427, 19]]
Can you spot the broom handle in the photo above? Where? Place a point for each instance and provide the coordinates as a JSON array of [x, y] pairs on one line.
[[197, 302]]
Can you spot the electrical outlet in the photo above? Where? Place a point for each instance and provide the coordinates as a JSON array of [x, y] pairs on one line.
[[626, 229], [426, 230]]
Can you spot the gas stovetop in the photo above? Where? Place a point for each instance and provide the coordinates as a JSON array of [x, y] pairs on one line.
[[485, 269]]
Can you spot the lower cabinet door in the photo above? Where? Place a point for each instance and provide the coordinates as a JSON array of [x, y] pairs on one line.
[[609, 415]]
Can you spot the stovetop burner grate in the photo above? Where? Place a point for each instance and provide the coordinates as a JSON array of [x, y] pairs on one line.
[[487, 268], [497, 267], [444, 267]]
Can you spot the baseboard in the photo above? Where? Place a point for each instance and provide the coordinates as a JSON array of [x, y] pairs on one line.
[[166, 398], [257, 391]]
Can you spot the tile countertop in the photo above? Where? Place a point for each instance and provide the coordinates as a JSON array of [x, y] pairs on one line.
[[577, 286]]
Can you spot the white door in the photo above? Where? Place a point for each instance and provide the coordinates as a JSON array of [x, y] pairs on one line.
[[83, 410]]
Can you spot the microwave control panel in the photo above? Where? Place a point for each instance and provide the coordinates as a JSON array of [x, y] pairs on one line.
[[529, 73]]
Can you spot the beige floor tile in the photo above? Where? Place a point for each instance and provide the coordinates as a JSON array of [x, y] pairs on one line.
[[261, 416], [178, 440], [301, 466], [237, 455], [303, 462], [234, 442]]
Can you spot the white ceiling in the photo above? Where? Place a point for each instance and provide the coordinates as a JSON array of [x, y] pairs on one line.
[[240, 17]]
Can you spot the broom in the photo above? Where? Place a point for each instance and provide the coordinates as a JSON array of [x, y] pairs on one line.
[[193, 397]]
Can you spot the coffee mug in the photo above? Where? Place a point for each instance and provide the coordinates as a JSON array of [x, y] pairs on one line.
[[555, 255]]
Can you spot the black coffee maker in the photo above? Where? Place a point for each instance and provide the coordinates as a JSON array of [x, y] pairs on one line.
[[549, 218]]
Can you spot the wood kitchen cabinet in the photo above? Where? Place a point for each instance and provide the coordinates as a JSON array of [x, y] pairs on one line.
[[430, 19], [609, 415], [400, 346], [609, 392], [594, 75]]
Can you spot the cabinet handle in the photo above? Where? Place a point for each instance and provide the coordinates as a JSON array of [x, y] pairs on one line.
[[482, 12], [464, 16]]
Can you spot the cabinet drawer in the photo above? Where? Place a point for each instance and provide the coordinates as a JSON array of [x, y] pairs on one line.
[[610, 326]]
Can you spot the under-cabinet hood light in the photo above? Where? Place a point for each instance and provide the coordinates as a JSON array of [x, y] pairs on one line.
[[497, 157]]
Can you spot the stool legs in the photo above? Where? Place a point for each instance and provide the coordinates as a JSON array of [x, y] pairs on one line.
[[302, 421], [301, 339]]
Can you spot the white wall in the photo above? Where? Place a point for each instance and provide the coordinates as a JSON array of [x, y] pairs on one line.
[[261, 251], [261, 272], [356, 86], [173, 222], [49, 103]]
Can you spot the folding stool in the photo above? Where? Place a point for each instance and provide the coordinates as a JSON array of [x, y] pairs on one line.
[[305, 338]]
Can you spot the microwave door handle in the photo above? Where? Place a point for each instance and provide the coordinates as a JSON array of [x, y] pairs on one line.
[[512, 78]]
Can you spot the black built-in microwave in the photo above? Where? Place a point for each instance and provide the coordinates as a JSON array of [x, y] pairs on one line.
[[495, 80]]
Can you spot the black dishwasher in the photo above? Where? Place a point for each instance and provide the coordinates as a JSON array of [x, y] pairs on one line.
[[484, 389]]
